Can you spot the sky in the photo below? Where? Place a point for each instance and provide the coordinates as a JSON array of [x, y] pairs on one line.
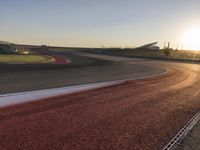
[[91, 23]]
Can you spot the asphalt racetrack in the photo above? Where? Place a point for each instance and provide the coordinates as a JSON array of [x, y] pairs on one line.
[[141, 114], [82, 70]]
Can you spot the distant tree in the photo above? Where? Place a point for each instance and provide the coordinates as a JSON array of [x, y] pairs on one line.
[[167, 52]]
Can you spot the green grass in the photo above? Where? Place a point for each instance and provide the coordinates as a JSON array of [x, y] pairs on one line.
[[5, 58]]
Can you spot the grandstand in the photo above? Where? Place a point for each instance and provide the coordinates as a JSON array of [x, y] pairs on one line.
[[151, 46]]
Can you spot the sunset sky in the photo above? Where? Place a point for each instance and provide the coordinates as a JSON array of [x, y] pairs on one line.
[[114, 23]]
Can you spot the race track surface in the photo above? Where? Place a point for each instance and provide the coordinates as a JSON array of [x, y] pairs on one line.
[[81, 70], [141, 114]]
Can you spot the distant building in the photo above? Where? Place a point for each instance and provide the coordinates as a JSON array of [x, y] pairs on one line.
[[7, 47], [23, 51], [44, 46], [151, 46]]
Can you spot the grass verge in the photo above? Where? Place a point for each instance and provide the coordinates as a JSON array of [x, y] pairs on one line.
[[6, 58]]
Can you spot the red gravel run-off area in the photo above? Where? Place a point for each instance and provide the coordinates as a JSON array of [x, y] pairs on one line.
[[143, 114]]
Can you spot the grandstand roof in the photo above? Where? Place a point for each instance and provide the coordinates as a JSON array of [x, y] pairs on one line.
[[148, 45]]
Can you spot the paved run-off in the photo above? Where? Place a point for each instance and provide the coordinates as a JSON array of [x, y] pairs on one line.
[[192, 140]]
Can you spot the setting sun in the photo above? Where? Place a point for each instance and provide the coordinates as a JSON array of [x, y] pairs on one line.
[[192, 38]]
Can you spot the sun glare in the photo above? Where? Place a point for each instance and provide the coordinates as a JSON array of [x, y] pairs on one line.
[[192, 38]]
